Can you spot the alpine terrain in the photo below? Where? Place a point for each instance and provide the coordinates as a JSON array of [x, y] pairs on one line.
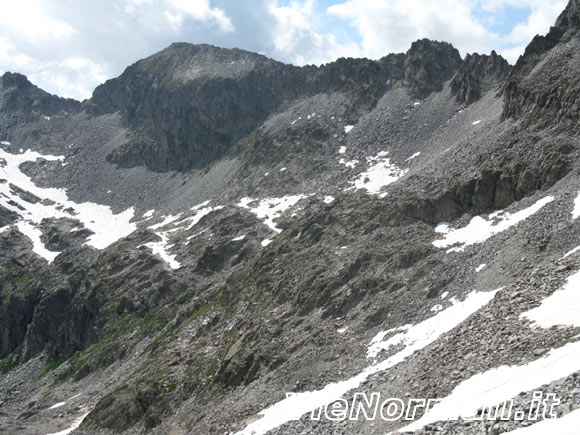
[[217, 242]]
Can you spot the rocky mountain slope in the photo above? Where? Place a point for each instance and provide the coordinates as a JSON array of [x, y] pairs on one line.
[[214, 229]]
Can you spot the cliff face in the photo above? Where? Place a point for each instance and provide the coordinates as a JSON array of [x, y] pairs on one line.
[[428, 65], [22, 102], [188, 104], [543, 88], [346, 217], [477, 75]]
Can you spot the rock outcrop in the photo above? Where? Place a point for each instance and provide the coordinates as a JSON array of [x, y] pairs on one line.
[[477, 75], [429, 64], [542, 88], [22, 102]]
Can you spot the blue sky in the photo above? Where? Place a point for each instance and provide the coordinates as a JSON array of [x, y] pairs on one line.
[[68, 47]]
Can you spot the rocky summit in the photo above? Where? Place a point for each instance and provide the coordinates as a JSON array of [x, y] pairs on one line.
[[217, 242]]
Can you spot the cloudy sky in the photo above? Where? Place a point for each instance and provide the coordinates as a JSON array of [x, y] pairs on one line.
[[68, 47]]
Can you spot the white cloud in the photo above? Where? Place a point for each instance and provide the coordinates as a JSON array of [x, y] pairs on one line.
[[296, 39], [30, 18], [199, 10], [70, 47], [543, 15], [392, 25]]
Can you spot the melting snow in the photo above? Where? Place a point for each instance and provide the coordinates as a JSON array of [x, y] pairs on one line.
[[162, 247], [566, 425], [567, 254], [342, 150], [380, 174], [34, 235], [480, 267], [576, 211], [414, 156], [480, 229], [350, 164], [270, 209], [497, 385], [106, 226], [561, 308], [437, 308], [414, 338], [75, 425], [148, 214], [348, 128]]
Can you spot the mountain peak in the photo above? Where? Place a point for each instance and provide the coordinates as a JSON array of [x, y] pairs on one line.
[[570, 17], [429, 64], [22, 101]]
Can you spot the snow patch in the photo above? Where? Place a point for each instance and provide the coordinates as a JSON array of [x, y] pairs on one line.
[[414, 156], [497, 385], [148, 214], [480, 229], [480, 267], [348, 128], [328, 199], [237, 239], [576, 211], [342, 330], [342, 150], [162, 247], [265, 242], [269, 209], [567, 254], [349, 164], [566, 425], [380, 174], [75, 425], [415, 338], [34, 234], [106, 226], [57, 405], [476, 122], [437, 308], [560, 308]]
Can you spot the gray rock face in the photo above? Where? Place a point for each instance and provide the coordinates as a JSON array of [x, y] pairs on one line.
[[22, 102], [428, 65], [209, 310], [477, 75], [531, 91], [189, 104]]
